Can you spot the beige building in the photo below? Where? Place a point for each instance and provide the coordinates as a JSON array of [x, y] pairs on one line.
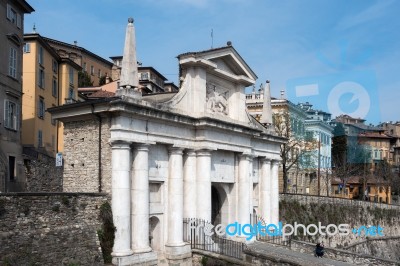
[[91, 63], [11, 35], [49, 81], [295, 123]]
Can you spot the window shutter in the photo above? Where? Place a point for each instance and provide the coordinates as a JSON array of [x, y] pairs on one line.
[[38, 109], [8, 12], [19, 21], [6, 115], [17, 117]]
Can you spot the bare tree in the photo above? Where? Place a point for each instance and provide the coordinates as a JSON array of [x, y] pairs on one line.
[[297, 149]]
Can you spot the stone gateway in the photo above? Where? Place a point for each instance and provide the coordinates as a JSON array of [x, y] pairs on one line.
[[164, 157]]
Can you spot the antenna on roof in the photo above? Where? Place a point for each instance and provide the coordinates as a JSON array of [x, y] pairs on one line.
[[212, 38], [34, 28]]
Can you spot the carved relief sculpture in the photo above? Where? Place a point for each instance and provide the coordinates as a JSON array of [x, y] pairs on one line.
[[216, 101]]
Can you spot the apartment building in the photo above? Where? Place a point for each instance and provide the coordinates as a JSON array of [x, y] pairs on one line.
[[11, 39], [94, 65], [49, 81]]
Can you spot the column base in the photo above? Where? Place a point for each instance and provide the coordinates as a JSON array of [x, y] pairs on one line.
[[122, 253], [147, 259], [179, 255]]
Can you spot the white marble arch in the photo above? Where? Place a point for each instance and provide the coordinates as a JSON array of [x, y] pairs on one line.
[[174, 147]]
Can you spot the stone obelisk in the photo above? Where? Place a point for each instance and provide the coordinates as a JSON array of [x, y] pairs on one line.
[[129, 80], [266, 117]]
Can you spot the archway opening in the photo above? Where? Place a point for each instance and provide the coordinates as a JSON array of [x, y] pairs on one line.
[[155, 233], [215, 206]]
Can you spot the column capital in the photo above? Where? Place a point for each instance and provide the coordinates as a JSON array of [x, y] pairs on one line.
[[276, 161], [175, 150], [141, 146], [190, 152], [246, 156], [120, 144], [265, 160], [203, 152]]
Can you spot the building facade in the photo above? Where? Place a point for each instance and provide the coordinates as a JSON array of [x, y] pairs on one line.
[[165, 157], [95, 66], [11, 43], [49, 81]]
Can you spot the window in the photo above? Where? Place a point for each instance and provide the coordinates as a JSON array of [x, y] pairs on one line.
[[53, 142], [40, 138], [41, 78], [13, 16], [84, 67], [71, 94], [99, 73], [41, 55], [144, 76], [27, 48], [55, 66], [11, 115], [41, 108], [11, 168], [54, 88], [71, 76], [12, 66], [91, 70]]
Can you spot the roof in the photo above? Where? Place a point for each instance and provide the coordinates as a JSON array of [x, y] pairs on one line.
[[72, 46], [27, 8], [373, 135], [209, 51], [101, 94], [43, 42], [356, 180]]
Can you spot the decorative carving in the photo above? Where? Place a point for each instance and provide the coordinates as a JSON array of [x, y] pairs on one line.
[[216, 101]]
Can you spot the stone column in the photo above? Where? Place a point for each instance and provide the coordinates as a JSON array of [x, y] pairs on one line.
[[244, 192], [203, 182], [175, 198], [265, 190], [121, 197], [140, 199], [275, 192], [189, 185]]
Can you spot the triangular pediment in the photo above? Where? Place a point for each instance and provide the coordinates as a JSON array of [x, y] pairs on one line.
[[224, 60]]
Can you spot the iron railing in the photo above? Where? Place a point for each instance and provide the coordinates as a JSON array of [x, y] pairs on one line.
[[195, 232], [269, 237], [306, 198]]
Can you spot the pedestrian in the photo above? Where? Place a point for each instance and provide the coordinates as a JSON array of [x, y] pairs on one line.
[[319, 250]]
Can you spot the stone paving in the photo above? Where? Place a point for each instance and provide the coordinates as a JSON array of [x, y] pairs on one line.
[[286, 255]]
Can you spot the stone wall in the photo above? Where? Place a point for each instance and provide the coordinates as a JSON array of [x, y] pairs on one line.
[[81, 156], [41, 173], [50, 229], [311, 210], [341, 255]]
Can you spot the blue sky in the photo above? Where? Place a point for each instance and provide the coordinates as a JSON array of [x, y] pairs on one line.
[[323, 44]]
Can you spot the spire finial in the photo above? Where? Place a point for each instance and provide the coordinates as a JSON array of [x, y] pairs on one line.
[[34, 28], [130, 20]]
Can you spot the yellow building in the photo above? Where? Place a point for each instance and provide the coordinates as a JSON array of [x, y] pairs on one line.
[[90, 63], [371, 189], [49, 81]]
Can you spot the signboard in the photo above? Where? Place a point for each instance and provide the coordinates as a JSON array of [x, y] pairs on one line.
[[59, 160]]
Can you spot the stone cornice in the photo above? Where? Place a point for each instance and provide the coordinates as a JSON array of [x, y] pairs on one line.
[[111, 106]]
